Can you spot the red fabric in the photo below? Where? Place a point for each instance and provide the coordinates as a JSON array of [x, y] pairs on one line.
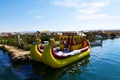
[[38, 48], [55, 55], [70, 40]]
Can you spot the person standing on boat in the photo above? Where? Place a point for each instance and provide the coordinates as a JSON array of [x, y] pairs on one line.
[[65, 44], [70, 41], [38, 40]]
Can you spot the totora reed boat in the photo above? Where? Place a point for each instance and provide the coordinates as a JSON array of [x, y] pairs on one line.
[[72, 47]]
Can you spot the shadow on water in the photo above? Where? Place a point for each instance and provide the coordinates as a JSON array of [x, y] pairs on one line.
[[48, 73], [37, 71]]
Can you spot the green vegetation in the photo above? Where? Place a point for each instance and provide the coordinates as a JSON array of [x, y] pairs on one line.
[[26, 41], [45, 37], [113, 35], [90, 36]]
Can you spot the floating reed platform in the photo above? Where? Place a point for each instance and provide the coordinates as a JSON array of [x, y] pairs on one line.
[[16, 54]]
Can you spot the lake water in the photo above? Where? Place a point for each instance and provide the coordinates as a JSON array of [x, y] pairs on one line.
[[102, 64]]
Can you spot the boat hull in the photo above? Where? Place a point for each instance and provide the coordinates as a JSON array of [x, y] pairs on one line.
[[49, 59], [36, 54]]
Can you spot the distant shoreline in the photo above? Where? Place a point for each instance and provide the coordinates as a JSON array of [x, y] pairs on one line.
[[113, 30]]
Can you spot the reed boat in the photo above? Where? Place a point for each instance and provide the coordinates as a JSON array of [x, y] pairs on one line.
[[71, 48], [36, 53]]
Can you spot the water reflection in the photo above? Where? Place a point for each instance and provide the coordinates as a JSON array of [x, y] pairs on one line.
[[48, 73], [97, 43]]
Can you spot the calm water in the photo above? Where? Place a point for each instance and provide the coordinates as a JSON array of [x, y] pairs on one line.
[[102, 64]]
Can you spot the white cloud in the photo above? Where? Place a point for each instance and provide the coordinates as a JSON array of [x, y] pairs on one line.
[[116, 16], [65, 3], [94, 16], [92, 8], [37, 17], [84, 9], [82, 5]]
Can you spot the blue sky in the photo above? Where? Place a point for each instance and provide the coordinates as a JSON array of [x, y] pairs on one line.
[[59, 15]]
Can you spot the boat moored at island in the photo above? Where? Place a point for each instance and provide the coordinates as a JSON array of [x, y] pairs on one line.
[[72, 47]]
